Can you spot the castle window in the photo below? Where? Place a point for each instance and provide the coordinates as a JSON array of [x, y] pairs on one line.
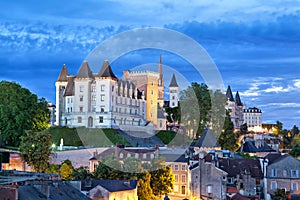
[[93, 97], [102, 88], [102, 109], [101, 119], [102, 97], [81, 88], [81, 98], [94, 109], [93, 88], [152, 83], [112, 88], [79, 120], [173, 97], [152, 92], [81, 109]]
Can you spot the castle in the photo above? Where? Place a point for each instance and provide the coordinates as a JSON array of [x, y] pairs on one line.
[[101, 100]]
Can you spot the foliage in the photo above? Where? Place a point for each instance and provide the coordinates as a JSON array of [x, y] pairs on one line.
[[88, 137], [35, 149], [66, 170], [218, 111], [162, 181], [173, 114], [144, 190], [246, 155], [228, 139], [20, 110], [295, 141], [166, 136], [280, 194], [244, 129], [278, 128], [80, 173], [53, 169], [195, 101], [295, 151]]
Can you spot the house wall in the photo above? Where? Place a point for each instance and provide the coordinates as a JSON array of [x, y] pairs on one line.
[[182, 179], [124, 195]]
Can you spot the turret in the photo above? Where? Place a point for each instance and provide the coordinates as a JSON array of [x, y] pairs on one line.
[[173, 87]]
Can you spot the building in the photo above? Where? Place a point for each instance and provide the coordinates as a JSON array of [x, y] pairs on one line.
[[110, 189], [256, 147], [52, 109], [235, 108], [207, 142], [281, 171], [99, 100], [173, 87], [253, 118]]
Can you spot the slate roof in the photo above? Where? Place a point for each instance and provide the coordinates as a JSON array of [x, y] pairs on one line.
[[63, 74], [275, 157], [106, 71], [235, 166], [207, 140], [238, 99], [70, 86], [63, 191], [173, 82], [85, 71], [249, 147], [110, 185], [229, 94], [175, 158]]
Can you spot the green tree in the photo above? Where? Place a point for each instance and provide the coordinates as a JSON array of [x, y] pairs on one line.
[[295, 151], [218, 112], [66, 170], [228, 139], [244, 128], [278, 128], [294, 130], [280, 194], [144, 190], [80, 173], [20, 110], [173, 114], [35, 149], [195, 105], [162, 181], [53, 169]]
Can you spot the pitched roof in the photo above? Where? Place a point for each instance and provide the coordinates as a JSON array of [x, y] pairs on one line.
[[85, 71], [250, 147], [173, 82], [70, 86], [63, 74], [275, 157], [207, 140], [106, 71], [111, 185], [238, 99], [241, 166], [229, 95], [175, 158]]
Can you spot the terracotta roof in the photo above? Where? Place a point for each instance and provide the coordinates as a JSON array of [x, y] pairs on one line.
[[229, 94], [240, 197], [173, 82], [85, 71], [106, 71], [238, 99], [232, 190], [63, 74], [207, 139]]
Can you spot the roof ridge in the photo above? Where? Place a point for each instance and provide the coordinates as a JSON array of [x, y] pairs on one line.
[[85, 71], [106, 71], [173, 82], [63, 74]]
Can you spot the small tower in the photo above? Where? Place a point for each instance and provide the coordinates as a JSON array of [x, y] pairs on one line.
[[173, 87], [60, 85], [160, 84]]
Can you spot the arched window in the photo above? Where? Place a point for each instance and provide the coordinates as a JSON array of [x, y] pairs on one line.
[[90, 122]]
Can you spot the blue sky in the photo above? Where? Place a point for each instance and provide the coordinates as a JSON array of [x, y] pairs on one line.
[[254, 44]]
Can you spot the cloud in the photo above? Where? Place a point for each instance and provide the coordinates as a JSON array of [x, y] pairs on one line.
[[279, 89], [282, 105]]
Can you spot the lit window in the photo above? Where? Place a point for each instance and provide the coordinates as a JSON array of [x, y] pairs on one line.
[[102, 97]]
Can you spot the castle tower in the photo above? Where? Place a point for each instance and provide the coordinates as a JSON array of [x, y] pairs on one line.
[[60, 86], [173, 87], [160, 83]]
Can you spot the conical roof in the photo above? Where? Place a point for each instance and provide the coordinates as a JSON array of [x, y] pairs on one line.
[[106, 71], [173, 82], [85, 71], [207, 140], [229, 94], [63, 74], [238, 99]]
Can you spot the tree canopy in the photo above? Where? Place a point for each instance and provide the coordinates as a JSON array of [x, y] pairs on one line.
[[35, 149], [20, 110]]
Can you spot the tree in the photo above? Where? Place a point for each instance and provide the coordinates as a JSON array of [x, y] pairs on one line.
[[295, 151], [294, 130], [228, 139], [35, 149], [53, 169], [162, 181], [80, 173], [66, 170], [144, 190], [218, 112], [20, 110], [278, 128], [173, 114], [280, 194], [195, 105], [244, 128]]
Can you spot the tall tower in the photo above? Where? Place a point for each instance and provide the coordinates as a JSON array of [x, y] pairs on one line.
[[173, 87], [60, 85], [160, 84]]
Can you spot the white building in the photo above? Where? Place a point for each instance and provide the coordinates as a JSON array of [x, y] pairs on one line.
[[173, 87], [98, 100], [253, 118]]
